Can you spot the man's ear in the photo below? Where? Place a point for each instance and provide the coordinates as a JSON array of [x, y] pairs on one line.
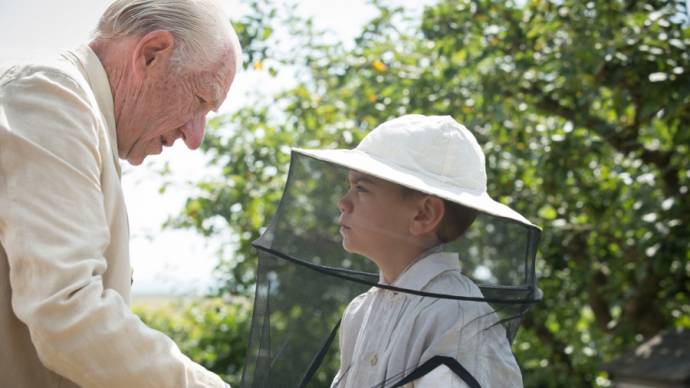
[[430, 210], [153, 52]]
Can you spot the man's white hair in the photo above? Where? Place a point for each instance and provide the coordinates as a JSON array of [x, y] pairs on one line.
[[201, 28]]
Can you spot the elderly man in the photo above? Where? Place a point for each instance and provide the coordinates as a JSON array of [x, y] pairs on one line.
[[153, 71]]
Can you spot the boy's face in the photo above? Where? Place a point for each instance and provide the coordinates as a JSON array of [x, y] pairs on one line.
[[374, 216]]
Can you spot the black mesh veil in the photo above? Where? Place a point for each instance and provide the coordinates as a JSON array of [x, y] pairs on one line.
[[305, 281]]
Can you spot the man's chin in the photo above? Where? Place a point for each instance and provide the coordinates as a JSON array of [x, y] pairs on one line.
[[135, 161]]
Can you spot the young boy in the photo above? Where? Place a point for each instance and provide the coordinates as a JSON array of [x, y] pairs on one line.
[[417, 182]]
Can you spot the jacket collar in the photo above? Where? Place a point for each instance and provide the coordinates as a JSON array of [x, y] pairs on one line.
[[90, 66], [425, 268]]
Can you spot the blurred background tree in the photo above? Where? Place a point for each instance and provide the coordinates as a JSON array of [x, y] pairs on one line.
[[582, 108]]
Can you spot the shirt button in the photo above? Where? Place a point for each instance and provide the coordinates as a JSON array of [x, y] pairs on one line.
[[373, 360]]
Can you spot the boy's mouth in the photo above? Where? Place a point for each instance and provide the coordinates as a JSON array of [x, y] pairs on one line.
[[342, 223]]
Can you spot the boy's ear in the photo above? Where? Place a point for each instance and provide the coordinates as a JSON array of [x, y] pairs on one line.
[[152, 52], [430, 210]]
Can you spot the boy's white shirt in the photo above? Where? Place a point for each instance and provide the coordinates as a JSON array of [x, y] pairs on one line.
[[385, 335]]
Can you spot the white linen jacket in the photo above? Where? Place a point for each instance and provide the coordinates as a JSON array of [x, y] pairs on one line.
[[65, 273]]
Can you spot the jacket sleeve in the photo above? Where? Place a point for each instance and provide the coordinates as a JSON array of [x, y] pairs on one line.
[[349, 329], [54, 230]]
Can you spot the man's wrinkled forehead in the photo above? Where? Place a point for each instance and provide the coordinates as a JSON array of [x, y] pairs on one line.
[[216, 85], [214, 79]]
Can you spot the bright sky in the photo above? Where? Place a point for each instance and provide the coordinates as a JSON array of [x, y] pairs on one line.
[[170, 261]]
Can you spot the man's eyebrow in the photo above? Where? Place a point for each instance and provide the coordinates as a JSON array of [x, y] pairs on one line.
[[216, 98], [216, 105]]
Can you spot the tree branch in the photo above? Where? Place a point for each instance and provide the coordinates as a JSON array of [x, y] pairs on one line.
[[624, 141], [643, 307], [597, 301], [577, 248]]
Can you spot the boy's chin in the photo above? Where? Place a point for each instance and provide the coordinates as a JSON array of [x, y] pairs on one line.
[[346, 247], [349, 248], [353, 250]]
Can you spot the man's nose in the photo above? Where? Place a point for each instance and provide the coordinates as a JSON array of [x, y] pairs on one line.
[[193, 131]]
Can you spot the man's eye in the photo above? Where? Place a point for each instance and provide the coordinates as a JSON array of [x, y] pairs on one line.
[[360, 189], [201, 100]]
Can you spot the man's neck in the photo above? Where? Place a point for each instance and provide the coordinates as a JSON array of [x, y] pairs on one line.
[[110, 53]]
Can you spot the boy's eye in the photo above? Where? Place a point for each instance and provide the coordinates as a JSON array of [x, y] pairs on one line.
[[201, 100], [361, 189]]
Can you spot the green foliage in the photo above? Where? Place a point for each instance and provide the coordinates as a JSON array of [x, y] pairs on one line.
[[581, 108], [212, 332]]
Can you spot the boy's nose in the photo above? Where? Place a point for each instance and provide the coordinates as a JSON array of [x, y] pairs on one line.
[[344, 204]]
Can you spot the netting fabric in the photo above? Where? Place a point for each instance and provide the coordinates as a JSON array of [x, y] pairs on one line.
[[306, 279]]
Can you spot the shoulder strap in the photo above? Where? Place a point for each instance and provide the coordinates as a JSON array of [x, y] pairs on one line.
[[432, 364], [318, 358]]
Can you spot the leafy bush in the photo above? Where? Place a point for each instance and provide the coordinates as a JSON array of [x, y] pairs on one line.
[[212, 332]]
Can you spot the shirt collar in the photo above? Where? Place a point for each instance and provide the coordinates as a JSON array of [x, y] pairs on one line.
[[90, 66], [426, 267]]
